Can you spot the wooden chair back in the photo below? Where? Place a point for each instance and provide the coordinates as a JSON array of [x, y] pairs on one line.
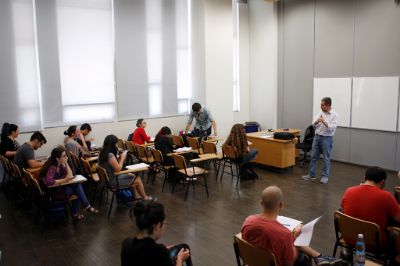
[[193, 143], [349, 228], [177, 140], [252, 255], [157, 155], [130, 146], [395, 233], [179, 161], [209, 147], [121, 144], [102, 174], [76, 161], [143, 153], [27, 177], [6, 164], [229, 152]]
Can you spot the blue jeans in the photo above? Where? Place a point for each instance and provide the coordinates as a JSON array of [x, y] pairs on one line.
[[249, 156], [321, 144], [76, 189]]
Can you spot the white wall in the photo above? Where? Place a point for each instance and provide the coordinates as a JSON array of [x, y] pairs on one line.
[[213, 69], [263, 28], [219, 60]]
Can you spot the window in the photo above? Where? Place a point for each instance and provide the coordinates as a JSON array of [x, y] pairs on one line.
[[83, 45]]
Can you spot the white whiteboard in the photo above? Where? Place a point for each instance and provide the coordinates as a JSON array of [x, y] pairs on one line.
[[339, 90], [375, 103]]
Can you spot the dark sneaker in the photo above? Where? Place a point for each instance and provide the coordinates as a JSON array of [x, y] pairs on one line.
[[326, 260], [308, 177]]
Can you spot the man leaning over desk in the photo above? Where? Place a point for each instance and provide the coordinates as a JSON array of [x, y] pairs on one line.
[[204, 120]]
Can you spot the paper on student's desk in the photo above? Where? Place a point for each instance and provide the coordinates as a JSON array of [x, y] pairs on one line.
[[152, 139], [183, 149], [304, 239], [136, 166], [289, 223]]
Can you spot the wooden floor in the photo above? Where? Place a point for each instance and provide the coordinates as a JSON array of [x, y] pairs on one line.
[[207, 225]]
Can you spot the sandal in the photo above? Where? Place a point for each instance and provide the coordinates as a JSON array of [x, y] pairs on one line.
[[77, 217], [92, 210]]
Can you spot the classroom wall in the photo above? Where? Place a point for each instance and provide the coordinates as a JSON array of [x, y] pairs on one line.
[[212, 46], [263, 39], [338, 38]]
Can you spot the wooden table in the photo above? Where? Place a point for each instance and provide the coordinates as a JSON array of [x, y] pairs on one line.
[[76, 179], [274, 152]]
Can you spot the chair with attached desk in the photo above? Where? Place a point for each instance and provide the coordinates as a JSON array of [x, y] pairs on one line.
[[146, 157], [189, 174], [159, 159], [132, 153], [211, 148], [113, 189], [250, 254], [7, 171], [121, 144], [91, 174], [347, 229], [194, 143], [177, 141], [231, 157]]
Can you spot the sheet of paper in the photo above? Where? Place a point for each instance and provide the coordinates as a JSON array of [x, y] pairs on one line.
[[267, 136], [137, 166], [183, 149], [304, 239], [289, 223]]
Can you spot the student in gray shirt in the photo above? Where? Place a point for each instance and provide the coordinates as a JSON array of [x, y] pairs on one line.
[[25, 156], [204, 119]]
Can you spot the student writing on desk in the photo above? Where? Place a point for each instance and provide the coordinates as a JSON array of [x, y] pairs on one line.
[[57, 171], [111, 162], [25, 155]]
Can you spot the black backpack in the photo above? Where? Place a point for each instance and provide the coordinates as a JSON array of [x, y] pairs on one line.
[[130, 137]]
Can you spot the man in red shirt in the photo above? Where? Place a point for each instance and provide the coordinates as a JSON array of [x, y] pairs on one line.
[[370, 202], [264, 231]]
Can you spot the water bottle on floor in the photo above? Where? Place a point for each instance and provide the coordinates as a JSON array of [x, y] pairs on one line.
[[360, 251]]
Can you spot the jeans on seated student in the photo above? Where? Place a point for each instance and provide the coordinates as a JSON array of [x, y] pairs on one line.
[[143, 249]]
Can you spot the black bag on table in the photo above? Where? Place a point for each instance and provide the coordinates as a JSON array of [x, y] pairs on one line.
[[283, 135]]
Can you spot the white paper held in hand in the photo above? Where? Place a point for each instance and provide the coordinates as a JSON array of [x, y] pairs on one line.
[[304, 239]]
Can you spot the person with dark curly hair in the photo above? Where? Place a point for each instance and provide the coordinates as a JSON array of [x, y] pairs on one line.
[[237, 138]]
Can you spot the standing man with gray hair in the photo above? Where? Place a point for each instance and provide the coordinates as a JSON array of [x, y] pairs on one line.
[[325, 123], [264, 231]]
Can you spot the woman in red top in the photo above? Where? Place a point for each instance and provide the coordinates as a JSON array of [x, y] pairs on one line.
[[140, 136]]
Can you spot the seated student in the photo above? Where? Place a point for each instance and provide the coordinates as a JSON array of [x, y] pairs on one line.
[[70, 143], [56, 171], [164, 144], [25, 155], [139, 136], [237, 138], [82, 140], [370, 202], [111, 162], [143, 249], [9, 145], [264, 231]]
